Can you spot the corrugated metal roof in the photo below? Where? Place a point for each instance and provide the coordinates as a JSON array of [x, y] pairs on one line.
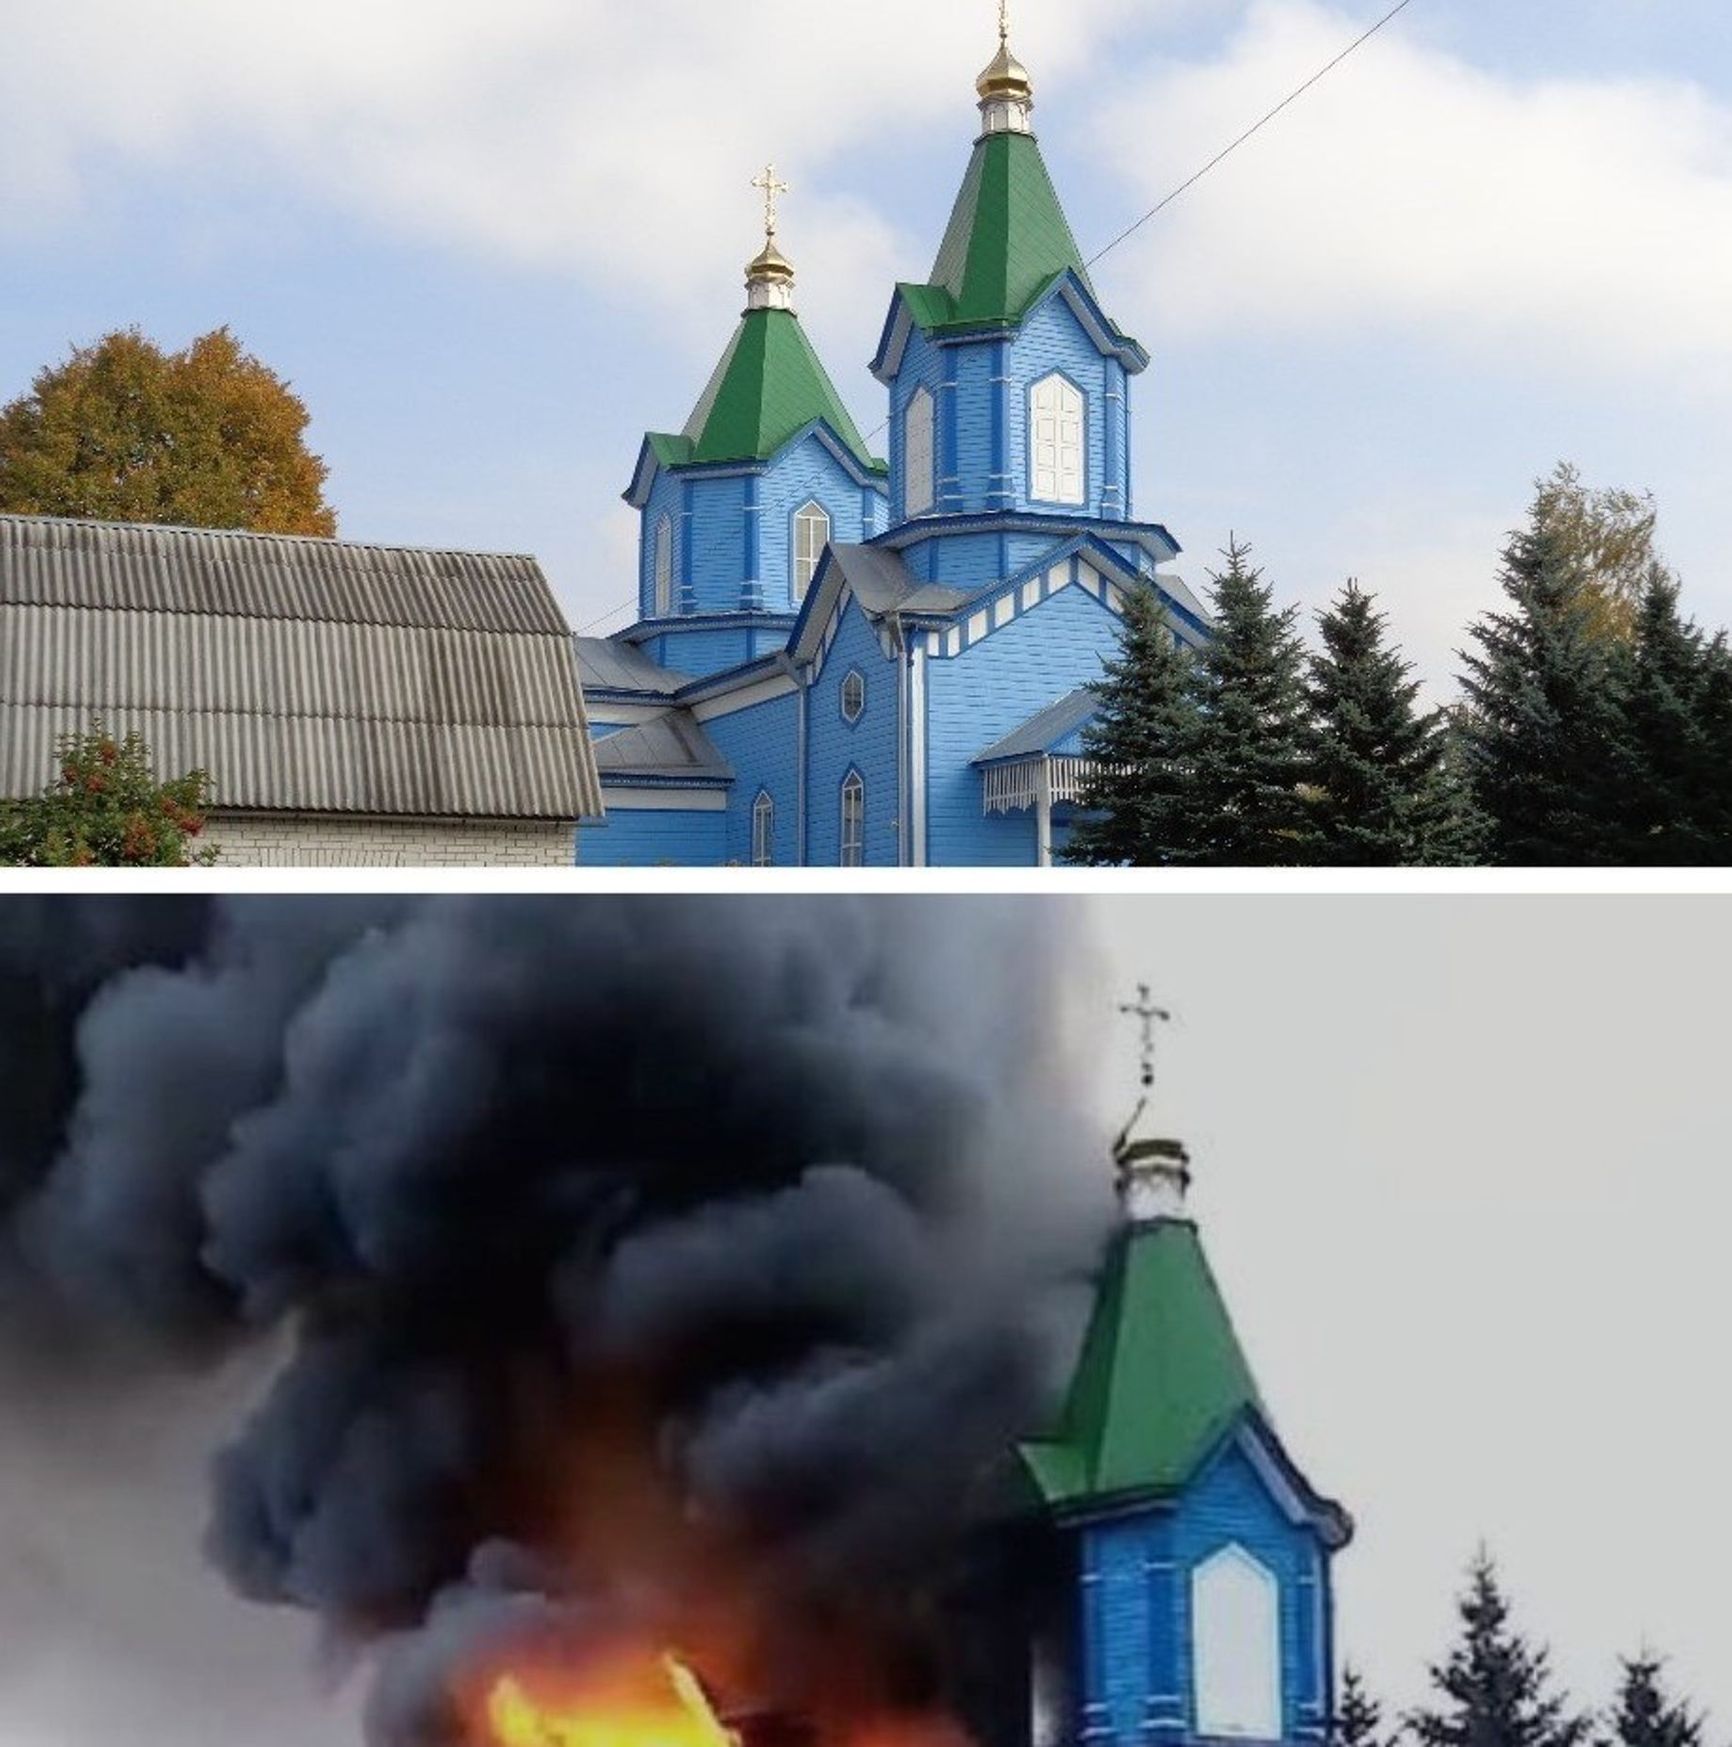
[[604, 665], [49, 562], [669, 745], [1045, 731], [304, 675]]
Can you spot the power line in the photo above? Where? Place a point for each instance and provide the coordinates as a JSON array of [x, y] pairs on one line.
[[1251, 132], [611, 613]]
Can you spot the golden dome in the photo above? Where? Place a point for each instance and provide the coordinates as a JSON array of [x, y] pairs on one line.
[[1006, 77], [770, 264]]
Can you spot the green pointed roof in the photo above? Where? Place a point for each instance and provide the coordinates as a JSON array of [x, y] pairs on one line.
[[1160, 1380], [769, 386], [1007, 243]]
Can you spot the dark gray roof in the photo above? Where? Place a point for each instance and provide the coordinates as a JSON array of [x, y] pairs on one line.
[[1044, 730], [304, 675], [605, 665], [669, 745], [882, 583]]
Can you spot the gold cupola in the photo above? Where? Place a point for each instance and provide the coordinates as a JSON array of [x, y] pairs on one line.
[[1006, 91], [770, 275]]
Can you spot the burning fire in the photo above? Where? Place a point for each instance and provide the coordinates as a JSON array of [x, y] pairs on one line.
[[648, 1702]]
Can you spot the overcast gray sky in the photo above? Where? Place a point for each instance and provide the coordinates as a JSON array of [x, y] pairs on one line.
[[1461, 1168]]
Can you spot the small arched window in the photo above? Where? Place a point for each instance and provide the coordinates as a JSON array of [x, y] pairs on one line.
[[853, 820], [1236, 1630], [919, 482], [1055, 442], [764, 831], [811, 536], [664, 561], [853, 696]]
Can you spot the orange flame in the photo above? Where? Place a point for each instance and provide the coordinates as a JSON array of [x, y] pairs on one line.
[[629, 1702]]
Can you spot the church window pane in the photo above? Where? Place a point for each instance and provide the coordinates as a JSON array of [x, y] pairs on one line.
[[919, 482], [854, 696], [1056, 442], [763, 832], [853, 821], [1236, 1631], [811, 536], [664, 603]]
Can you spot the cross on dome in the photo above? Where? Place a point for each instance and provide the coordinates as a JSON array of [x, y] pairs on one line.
[[1154, 1171], [1145, 1009], [1006, 91], [773, 188], [770, 278]]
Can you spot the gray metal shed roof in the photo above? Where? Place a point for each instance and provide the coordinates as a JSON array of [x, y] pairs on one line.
[[669, 745], [304, 675], [606, 665], [882, 583], [1044, 730]]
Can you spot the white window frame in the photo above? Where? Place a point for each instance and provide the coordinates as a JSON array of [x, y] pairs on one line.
[[664, 568], [1236, 1647], [920, 454], [1058, 442], [852, 849], [852, 677], [764, 830], [812, 531]]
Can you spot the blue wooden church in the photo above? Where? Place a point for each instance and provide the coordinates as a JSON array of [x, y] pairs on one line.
[[1161, 1575], [842, 661]]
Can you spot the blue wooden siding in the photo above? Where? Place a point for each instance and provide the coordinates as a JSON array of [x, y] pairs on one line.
[[869, 746], [762, 744], [1138, 1670], [654, 838], [977, 697]]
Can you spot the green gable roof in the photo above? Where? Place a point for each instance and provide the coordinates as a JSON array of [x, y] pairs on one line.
[[1160, 1379], [769, 386]]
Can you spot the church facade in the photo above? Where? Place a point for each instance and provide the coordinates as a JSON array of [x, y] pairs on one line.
[[843, 661]]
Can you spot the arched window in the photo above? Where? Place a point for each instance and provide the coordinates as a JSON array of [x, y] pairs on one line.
[[1055, 442], [853, 696], [853, 820], [811, 536], [1236, 1630], [664, 603], [764, 831], [919, 482]]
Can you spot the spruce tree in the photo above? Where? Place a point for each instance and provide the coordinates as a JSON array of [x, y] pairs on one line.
[[1137, 799], [1674, 799], [1496, 1689], [1376, 779], [1358, 1716], [1646, 1715], [1246, 800], [1540, 725]]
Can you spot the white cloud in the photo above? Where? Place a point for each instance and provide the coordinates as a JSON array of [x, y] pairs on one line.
[[1581, 225], [613, 141]]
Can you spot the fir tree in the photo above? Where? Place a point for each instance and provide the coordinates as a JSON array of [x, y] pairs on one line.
[[1140, 747], [1674, 799], [1358, 1716], [1376, 779], [1246, 802], [1646, 1716], [1495, 1690], [1540, 726]]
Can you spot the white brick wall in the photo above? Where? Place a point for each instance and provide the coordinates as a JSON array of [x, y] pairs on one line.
[[315, 840]]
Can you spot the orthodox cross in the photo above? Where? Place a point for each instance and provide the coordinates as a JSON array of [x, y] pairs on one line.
[[1145, 1009], [1004, 22], [772, 189]]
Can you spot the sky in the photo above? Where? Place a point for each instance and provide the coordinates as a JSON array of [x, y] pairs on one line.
[[1461, 1171], [491, 246]]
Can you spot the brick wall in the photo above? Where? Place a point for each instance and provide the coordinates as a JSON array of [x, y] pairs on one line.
[[315, 840]]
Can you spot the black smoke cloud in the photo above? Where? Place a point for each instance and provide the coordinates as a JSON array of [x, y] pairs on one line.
[[808, 1174]]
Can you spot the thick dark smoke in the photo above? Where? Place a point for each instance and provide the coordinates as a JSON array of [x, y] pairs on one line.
[[767, 1206]]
